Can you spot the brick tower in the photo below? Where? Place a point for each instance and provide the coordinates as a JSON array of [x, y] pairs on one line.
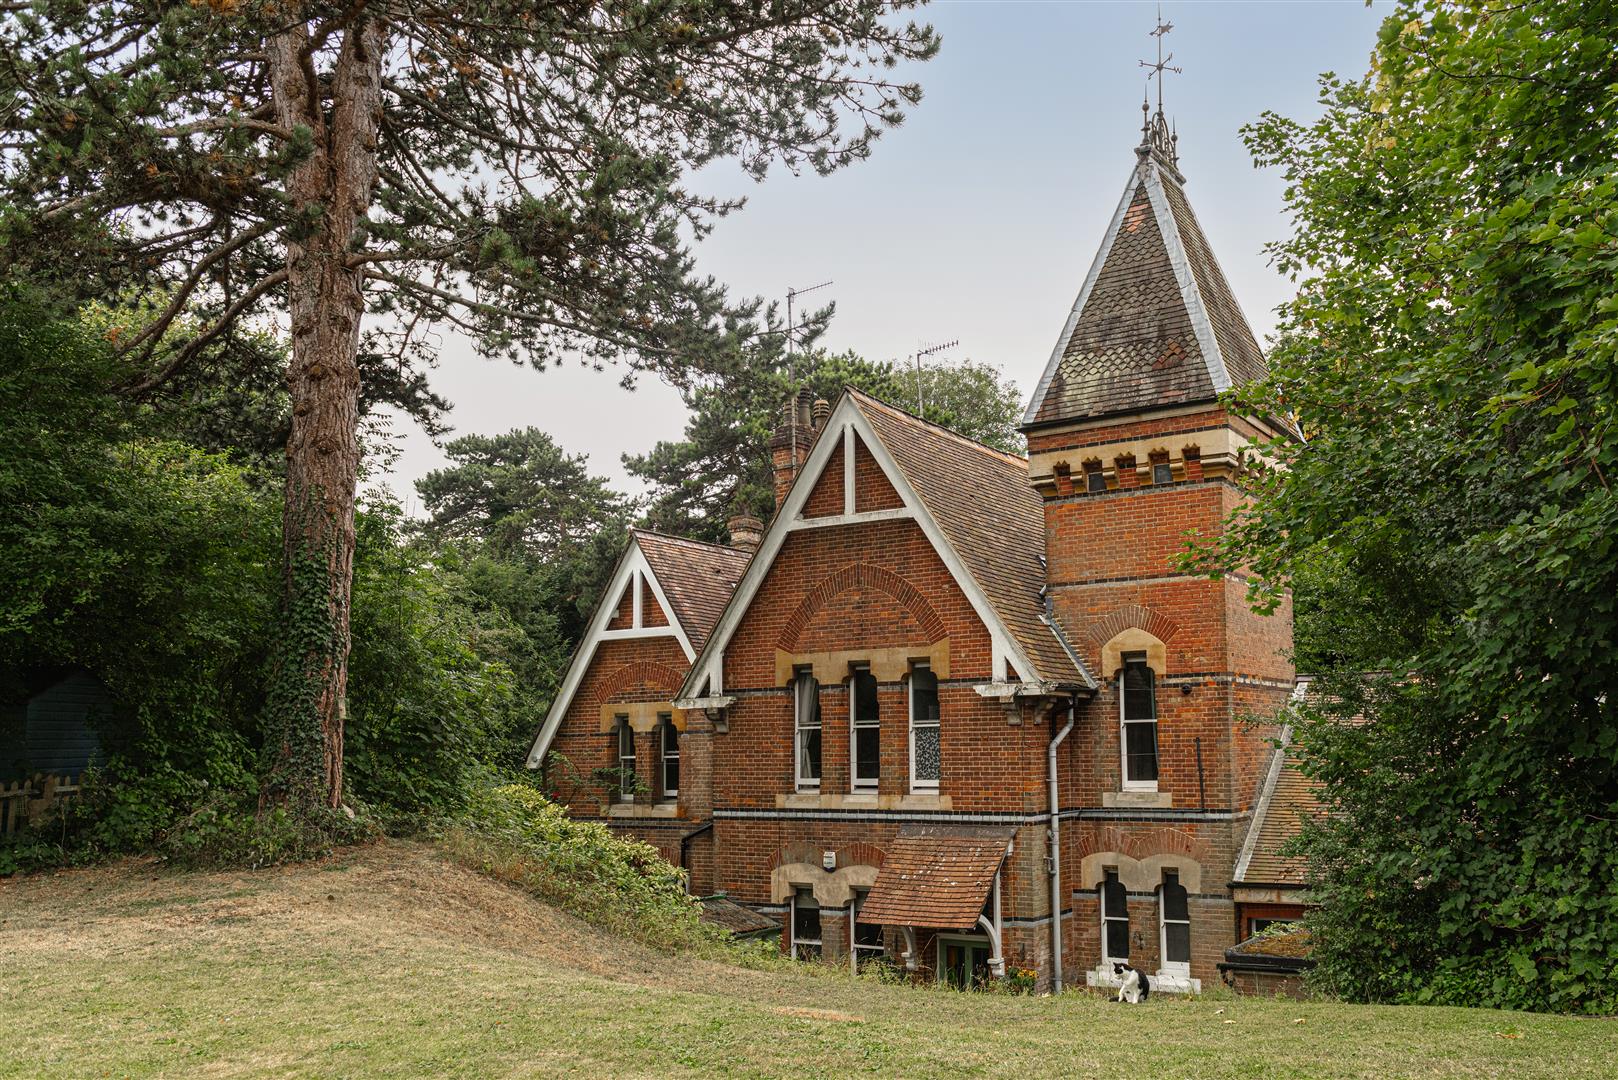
[[1131, 449]]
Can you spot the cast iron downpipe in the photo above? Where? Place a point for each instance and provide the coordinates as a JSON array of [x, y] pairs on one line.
[[1055, 834]]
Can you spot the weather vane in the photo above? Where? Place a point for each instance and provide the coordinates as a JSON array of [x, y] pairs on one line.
[[1162, 64]]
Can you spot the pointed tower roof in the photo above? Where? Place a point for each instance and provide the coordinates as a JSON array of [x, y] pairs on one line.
[[1155, 324]]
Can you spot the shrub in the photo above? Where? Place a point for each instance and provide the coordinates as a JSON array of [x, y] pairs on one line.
[[516, 834]]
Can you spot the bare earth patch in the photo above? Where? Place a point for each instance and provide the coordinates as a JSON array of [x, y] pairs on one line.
[[390, 960]]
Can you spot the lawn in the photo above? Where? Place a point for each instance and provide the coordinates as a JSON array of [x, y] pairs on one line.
[[390, 961]]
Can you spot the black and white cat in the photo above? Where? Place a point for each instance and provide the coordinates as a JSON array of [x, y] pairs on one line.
[[1135, 986]]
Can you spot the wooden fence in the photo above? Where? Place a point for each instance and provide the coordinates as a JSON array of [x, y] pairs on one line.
[[34, 800]]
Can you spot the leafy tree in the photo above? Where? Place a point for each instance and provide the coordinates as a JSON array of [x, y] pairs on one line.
[[378, 170], [520, 493], [722, 466], [1451, 355]]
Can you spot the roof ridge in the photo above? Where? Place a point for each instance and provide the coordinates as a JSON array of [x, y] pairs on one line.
[[725, 548], [1008, 456]]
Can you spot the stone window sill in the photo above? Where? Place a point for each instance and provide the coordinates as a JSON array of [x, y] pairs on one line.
[[637, 810], [1151, 799], [809, 800]]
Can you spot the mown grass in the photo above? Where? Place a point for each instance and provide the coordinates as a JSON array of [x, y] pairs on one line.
[[391, 961]]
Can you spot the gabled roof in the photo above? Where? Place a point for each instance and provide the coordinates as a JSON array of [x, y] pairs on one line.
[[995, 521], [1155, 323], [697, 578], [976, 506], [689, 580]]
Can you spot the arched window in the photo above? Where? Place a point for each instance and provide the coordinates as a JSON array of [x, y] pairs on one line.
[[624, 742], [866, 724], [668, 744], [806, 736], [1175, 915], [1114, 920], [1137, 703], [805, 925], [925, 753]]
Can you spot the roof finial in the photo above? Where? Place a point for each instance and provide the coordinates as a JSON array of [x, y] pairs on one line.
[[1157, 135]]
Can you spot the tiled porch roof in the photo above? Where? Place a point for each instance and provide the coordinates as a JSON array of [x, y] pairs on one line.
[[936, 878]]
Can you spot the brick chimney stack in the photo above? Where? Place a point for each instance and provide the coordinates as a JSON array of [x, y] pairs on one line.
[[746, 533], [789, 445]]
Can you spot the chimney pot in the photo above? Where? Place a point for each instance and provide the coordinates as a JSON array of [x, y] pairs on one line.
[[822, 413]]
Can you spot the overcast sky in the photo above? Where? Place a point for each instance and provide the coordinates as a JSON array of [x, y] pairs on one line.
[[977, 219]]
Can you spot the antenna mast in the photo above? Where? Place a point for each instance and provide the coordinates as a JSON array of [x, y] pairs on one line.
[[792, 295], [921, 404]]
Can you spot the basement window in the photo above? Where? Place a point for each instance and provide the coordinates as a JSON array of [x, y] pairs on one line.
[[865, 938], [1114, 920], [805, 925], [1175, 916]]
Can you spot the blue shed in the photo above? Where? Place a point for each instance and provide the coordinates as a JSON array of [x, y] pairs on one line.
[[56, 728]]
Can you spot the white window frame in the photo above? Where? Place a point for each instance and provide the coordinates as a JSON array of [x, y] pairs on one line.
[[801, 681], [1126, 784], [792, 927], [1177, 967], [666, 729], [1107, 960], [855, 949], [621, 724], [857, 784], [924, 786]]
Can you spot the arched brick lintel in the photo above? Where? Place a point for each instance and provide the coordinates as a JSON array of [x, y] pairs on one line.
[[869, 576]]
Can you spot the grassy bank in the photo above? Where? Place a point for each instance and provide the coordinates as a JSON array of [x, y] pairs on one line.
[[391, 961]]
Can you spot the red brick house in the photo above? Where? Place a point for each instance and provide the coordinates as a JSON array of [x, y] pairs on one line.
[[963, 708]]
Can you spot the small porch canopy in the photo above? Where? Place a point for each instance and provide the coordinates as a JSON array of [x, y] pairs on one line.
[[941, 878]]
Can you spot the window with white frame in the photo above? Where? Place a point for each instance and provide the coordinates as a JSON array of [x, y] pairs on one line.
[[1175, 916], [1114, 920], [806, 735], [805, 924], [865, 939], [624, 741], [1137, 711], [668, 751], [925, 753], [865, 738]]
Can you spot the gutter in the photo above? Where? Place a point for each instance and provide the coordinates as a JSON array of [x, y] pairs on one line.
[[1055, 833]]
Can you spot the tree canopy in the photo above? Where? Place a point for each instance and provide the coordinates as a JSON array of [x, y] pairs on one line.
[[1452, 356], [380, 171]]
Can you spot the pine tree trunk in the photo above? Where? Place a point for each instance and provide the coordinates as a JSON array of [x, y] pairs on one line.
[[331, 191]]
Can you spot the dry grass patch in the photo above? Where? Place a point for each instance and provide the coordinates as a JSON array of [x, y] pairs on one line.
[[391, 960]]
